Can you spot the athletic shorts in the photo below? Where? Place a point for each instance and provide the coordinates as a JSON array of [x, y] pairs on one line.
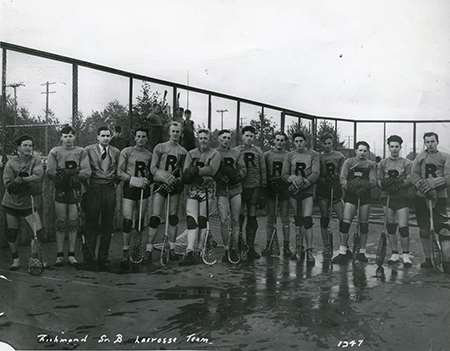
[[198, 192], [250, 195], [304, 194], [231, 192], [18, 212], [65, 196], [351, 197], [324, 192], [423, 213], [396, 202], [132, 193]]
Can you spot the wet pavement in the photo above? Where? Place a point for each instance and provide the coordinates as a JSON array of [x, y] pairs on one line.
[[265, 305]]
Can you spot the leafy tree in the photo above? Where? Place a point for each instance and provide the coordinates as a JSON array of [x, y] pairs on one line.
[[265, 131]]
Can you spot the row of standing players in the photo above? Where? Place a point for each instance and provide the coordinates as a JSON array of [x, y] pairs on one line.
[[240, 178]]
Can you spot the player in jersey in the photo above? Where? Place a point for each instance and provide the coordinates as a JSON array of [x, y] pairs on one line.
[[200, 167], [277, 189], [22, 178], [358, 177], [167, 166], [228, 192], [68, 166], [253, 186], [431, 177], [331, 162], [100, 200], [301, 170], [134, 170], [393, 176]]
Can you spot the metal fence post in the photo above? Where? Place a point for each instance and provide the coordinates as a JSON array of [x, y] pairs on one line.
[[74, 93], [414, 138], [209, 111], [130, 102], [238, 121], [384, 140], [282, 121], [355, 132]]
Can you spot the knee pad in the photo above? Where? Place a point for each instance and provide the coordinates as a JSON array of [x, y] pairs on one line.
[[72, 225], [344, 227], [364, 228], [173, 220], [404, 232], [391, 228], [202, 222], [298, 221], [308, 222], [127, 224], [424, 234], [60, 225], [11, 234], [155, 221], [324, 222], [191, 223]]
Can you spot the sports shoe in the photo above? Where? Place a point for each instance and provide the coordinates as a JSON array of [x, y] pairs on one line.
[[234, 255], [173, 256], [252, 254], [340, 259], [395, 258], [406, 260], [310, 260], [15, 265], [361, 257], [427, 264], [59, 261], [72, 260], [287, 253], [188, 260]]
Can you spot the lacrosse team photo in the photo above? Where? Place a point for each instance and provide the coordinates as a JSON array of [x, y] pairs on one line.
[[224, 175]]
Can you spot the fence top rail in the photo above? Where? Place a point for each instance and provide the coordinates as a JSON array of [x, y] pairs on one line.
[[107, 69]]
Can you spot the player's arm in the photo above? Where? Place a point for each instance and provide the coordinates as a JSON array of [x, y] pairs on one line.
[[213, 166], [416, 176], [262, 169], [241, 167], [37, 172], [85, 166], [122, 166], [315, 170], [8, 174], [380, 174], [344, 173]]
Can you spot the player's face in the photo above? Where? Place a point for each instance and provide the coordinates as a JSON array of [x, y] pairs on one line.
[[362, 151], [203, 140], [225, 140], [327, 145], [280, 142], [68, 139], [175, 133], [140, 138], [431, 143], [104, 137], [247, 138], [394, 148], [25, 148], [300, 143]]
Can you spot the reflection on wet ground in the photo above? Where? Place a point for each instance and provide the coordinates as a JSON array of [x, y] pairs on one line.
[[265, 305]]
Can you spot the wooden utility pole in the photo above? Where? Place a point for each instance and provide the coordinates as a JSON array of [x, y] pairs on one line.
[[47, 92]]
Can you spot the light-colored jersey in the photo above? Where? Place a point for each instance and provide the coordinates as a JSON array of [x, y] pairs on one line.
[[431, 165], [59, 156], [254, 163], [274, 163], [14, 166], [169, 157], [134, 162], [356, 168], [399, 168], [208, 161], [305, 164]]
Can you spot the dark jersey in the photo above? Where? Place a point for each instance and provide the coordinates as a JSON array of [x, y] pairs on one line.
[[330, 165], [305, 164], [357, 168], [134, 162], [255, 165], [274, 163], [399, 168], [431, 165], [59, 157]]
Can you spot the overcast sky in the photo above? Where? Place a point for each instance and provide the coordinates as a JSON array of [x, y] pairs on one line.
[[353, 59]]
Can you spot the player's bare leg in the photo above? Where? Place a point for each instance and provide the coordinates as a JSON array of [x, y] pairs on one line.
[[12, 232], [192, 215], [364, 230], [158, 202], [235, 207], [173, 224], [286, 227], [344, 254], [223, 206], [307, 207], [403, 223], [127, 213]]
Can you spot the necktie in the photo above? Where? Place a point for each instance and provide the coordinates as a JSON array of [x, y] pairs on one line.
[[104, 153]]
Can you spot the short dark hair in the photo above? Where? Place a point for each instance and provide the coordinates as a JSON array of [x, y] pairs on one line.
[[118, 129], [223, 131], [67, 130], [298, 134], [395, 138], [282, 134], [430, 134], [102, 128], [141, 129], [204, 130], [187, 112], [325, 137], [22, 138], [364, 143], [250, 129]]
